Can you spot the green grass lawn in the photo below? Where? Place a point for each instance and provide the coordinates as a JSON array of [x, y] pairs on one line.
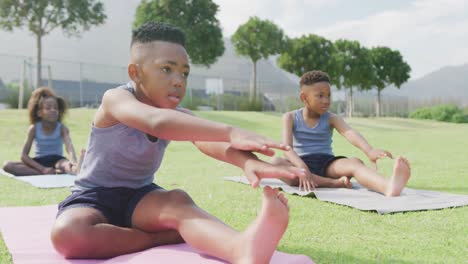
[[326, 232]]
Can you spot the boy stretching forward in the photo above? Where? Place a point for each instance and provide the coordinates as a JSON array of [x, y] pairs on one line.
[[115, 208], [309, 130]]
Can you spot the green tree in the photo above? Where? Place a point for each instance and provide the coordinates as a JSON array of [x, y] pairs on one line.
[[309, 53], [355, 69], [13, 90], [197, 18], [390, 68], [258, 39], [43, 16]]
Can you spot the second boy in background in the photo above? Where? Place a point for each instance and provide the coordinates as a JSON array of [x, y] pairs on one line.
[[309, 130]]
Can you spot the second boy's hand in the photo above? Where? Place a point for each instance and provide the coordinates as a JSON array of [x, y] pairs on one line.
[[306, 183], [376, 154]]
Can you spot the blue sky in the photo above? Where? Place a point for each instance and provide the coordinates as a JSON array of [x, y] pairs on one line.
[[430, 34]]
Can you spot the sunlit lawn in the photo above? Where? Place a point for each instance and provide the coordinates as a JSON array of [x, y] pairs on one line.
[[328, 233]]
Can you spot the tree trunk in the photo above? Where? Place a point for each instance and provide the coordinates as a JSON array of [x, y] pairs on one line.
[[21, 88], [350, 102], [378, 106], [253, 83], [39, 60]]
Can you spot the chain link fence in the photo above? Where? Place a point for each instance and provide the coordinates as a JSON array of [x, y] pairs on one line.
[[83, 85]]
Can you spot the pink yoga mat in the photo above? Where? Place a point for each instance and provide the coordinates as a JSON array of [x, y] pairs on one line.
[[26, 230]]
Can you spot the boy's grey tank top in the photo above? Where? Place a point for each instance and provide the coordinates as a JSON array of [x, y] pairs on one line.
[[120, 156], [307, 140], [48, 144]]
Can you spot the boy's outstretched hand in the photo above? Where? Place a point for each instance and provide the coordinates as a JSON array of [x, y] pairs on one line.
[[375, 154], [255, 170], [249, 141]]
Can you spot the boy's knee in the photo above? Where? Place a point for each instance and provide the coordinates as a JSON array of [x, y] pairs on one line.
[[70, 242], [353, 164], [356, 161], [7, 165], [180, 197]]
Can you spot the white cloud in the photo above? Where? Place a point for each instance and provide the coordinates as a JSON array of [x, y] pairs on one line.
[[290, 15], [430, 34]]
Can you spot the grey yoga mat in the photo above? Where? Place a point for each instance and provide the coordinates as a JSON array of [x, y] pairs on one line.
[[365, 200], [45, 181]]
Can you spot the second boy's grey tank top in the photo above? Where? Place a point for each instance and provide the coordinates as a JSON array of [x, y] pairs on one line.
[[119, 156], [308, 140]]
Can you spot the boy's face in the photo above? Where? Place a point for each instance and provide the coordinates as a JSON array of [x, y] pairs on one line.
[[316, 97], [162, 69]]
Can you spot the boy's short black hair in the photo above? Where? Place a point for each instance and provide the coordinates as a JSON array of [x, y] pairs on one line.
[[153, 31], [312, 77]]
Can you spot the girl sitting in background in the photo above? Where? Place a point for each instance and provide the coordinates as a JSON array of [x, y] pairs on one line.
[[46, 111]]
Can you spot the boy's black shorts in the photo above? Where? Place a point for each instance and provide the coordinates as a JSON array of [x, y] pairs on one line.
[[116, 204]]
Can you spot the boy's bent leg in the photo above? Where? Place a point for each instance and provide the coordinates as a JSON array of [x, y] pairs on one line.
[[19, 169], [161, 210], [342, 182], [84, 233]]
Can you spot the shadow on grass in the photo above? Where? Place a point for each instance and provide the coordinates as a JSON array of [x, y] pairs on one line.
[[323, 256]]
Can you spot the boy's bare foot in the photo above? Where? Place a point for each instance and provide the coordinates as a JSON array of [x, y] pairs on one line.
[[258, 243], [401, 175], [345, 182]]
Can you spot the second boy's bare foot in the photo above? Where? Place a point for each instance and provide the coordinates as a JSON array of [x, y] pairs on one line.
[[258, 243], [401, 175]]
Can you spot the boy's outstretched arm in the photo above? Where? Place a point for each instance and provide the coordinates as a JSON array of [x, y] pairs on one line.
[[254, 168], [355, 138], [121, 106]]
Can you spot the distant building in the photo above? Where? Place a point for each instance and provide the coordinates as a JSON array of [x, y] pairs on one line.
[[90, 92], [235, 72], [232, 74]]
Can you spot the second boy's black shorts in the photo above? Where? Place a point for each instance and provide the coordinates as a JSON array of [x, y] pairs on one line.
[[318, 162]]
